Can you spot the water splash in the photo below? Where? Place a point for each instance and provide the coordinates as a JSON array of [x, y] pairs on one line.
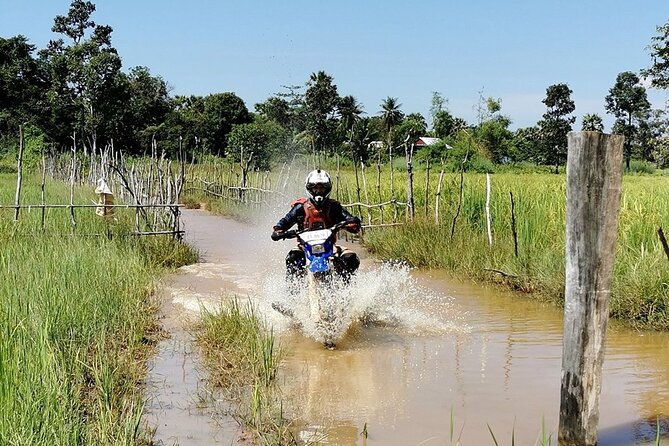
[[386, 296]]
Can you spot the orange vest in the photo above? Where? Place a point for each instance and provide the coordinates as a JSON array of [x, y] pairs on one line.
[[313, 216]]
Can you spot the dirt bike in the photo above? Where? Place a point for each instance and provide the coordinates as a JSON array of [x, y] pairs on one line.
[[319, 252]]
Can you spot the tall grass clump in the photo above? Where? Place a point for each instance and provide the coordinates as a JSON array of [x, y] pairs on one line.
[[243, 358], [76, 323]]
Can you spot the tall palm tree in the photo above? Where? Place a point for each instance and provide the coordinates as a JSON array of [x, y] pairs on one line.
[[391, 115], [349, 112]]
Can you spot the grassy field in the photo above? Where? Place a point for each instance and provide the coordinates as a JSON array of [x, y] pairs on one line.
[[76, 322]]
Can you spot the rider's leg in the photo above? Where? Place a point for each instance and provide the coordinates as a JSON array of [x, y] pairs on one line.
[[295, 262], [347, 261]]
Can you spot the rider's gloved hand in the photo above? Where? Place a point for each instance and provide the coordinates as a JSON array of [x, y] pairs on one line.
[[353, 225], [276, 235]]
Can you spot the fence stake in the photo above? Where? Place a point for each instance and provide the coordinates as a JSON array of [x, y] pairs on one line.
[[437, 197], [378, 185], [364, 184], [43, 187], [594, 176], [427, 185], [409, 159], [663, 239], [19, 178], [73, 174], [513, 225], [487, 208]]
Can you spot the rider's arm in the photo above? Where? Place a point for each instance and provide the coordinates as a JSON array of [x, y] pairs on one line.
[[344, 215], [295, 215]]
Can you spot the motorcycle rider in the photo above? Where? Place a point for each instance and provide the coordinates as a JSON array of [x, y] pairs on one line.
[[318, 212]]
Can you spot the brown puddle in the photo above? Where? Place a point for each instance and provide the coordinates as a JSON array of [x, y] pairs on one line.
[[451, 360]]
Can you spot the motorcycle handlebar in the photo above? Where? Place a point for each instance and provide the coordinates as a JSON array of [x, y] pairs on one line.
[[294, 233]]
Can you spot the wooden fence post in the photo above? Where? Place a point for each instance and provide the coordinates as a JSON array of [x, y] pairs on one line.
[[594, 176], [487, 208], [19, 175]]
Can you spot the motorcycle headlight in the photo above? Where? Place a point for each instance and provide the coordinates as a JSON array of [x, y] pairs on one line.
[[317, 249]]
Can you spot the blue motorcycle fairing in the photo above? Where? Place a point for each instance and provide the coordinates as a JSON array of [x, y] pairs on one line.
[[318, 263]]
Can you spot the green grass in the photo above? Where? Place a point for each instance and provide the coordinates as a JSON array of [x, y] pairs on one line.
[[243, 358], [76, 324]]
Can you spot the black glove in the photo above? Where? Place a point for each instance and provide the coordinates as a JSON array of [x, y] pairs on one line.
[[277, 234], [353, 225]]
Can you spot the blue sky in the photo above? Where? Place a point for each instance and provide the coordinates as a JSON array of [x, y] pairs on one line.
[[511, 50]]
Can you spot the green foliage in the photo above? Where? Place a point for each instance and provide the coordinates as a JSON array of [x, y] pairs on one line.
[[409, 130], [264, 138], [21, 87], [221, 112], [321, 100], [529, 146], [446, 125], [496, 139], [628, 102], [638, 166], [86, 78], [391, 115], [659, 53], [556, 123], [592, 123]]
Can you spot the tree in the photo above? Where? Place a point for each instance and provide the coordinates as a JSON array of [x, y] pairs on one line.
[[276, 109], [221, 112], [445, 125], [495, 137], [592, 123], [627, 101], [420, 119], [364, 131], [556, 123], [659, 138], [86, 78], [437, 104], [529, 145], [349, 112], [264, 138], [147, 108], [391, 115], [659, 52], [22, 86], [321, 100]]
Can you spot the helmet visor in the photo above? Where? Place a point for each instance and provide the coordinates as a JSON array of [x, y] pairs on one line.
[[320, 189]]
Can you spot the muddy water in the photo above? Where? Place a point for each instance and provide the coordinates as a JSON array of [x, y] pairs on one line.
[[439, 362]]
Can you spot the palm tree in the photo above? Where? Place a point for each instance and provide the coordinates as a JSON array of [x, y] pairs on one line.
[[391, 115], [349, 112]]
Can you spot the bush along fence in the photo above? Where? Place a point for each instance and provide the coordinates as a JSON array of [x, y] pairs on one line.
[[149, 187]]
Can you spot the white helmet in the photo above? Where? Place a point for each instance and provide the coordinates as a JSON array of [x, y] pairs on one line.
[[318, 185]]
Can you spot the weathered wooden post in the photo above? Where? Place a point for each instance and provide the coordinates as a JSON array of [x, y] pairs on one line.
[[594, 176], [19, 175], [408, 152]]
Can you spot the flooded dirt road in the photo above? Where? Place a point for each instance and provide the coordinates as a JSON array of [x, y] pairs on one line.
[[441, 361]]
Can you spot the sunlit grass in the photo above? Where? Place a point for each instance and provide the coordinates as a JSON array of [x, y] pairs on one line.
[[243, 357], [76, 323]]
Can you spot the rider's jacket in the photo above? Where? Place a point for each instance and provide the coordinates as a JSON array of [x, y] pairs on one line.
[[305, 214]]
